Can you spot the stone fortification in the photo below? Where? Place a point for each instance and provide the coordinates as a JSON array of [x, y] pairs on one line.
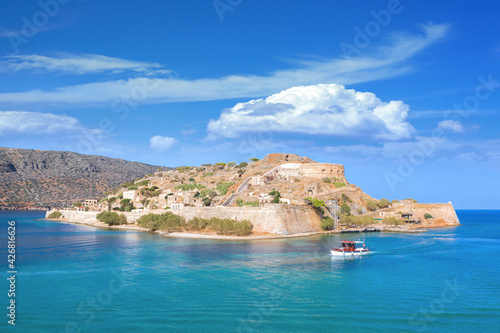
[[274, 218]]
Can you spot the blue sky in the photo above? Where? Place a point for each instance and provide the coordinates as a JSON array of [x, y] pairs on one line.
[[404, 93]]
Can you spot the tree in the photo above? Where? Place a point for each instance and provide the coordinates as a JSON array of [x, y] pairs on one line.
[[371, 206], [242, 165], [55, 215], [276, 197], [111, 218], [427, 216], [384, 203], [345, 209], [392, 221], [346, 198], [253, 159], [327, 223]]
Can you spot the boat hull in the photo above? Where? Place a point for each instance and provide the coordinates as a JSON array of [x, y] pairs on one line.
[[349, 253]]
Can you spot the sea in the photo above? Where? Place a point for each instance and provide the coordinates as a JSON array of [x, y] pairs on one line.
[[77, 278]]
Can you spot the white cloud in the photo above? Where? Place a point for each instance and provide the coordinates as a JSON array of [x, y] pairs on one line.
[[390, 61], [76, 64], [324, 109], [36, 123], [162, 143], [451, 125]]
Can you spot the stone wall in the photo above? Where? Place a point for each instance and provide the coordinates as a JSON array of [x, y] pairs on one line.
[[439, 211], [321, 170], [273, 218]]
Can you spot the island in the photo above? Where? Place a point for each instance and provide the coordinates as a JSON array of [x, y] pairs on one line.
[[282, 195]]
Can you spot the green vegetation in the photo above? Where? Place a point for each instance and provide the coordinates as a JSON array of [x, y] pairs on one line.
[[356, 220], [394, 201], [191, 179], [241, 203], [414, 201], [427, 216], [206, 201], [189, 187], [130, 188], [316, 202], [142, 183], [242, 165], [223, 187], [254, 159], [183, 168], [297, 180], [120, 195], [165, 222], [392, 221], [346, 198], [327, 180], [208, 193], [371, 206], [345, 209], [230, 226], [150, 192], [112, 218], [78, 204], [384, 203], [339, 184], [207, 174], [55, 215], [126, 205], [327, 223], [171, 222]]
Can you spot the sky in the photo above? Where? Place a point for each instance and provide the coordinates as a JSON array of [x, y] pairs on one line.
[[404, 93]]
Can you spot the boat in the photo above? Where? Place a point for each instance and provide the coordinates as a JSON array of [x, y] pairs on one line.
[[350, 248]]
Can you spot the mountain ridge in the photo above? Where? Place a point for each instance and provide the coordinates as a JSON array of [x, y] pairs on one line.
[[32, 178]]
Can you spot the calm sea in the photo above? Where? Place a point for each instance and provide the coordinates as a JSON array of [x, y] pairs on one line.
[[74, 278]]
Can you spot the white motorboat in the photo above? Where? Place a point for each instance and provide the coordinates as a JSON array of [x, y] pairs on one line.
[[350, 248]]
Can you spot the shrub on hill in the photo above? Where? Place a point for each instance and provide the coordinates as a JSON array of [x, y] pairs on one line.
[[327, 180], [223, 187], [427, 216], [346, 198], [371, 206], [327, 223], [55, 215], [345, 209], [384, 203]]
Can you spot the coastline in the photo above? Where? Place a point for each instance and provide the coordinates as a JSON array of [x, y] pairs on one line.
[[210, 236]]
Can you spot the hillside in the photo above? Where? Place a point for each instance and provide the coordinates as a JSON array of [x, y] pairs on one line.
[[38, 178], [282, 194]]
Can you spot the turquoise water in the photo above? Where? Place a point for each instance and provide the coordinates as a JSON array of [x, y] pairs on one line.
[[74, 278]]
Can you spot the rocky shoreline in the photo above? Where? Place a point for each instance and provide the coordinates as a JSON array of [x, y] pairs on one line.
[[258, 236]]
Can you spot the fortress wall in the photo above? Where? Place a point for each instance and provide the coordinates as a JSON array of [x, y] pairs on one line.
[[274, 218], [321, 170], [439, 211]]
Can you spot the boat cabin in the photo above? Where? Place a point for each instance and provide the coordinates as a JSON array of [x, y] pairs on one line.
[[349, 245]]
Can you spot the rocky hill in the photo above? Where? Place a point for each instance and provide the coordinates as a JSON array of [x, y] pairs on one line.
[[38, 178]]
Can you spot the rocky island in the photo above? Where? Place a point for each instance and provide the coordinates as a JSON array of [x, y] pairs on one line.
[[281, 195]]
